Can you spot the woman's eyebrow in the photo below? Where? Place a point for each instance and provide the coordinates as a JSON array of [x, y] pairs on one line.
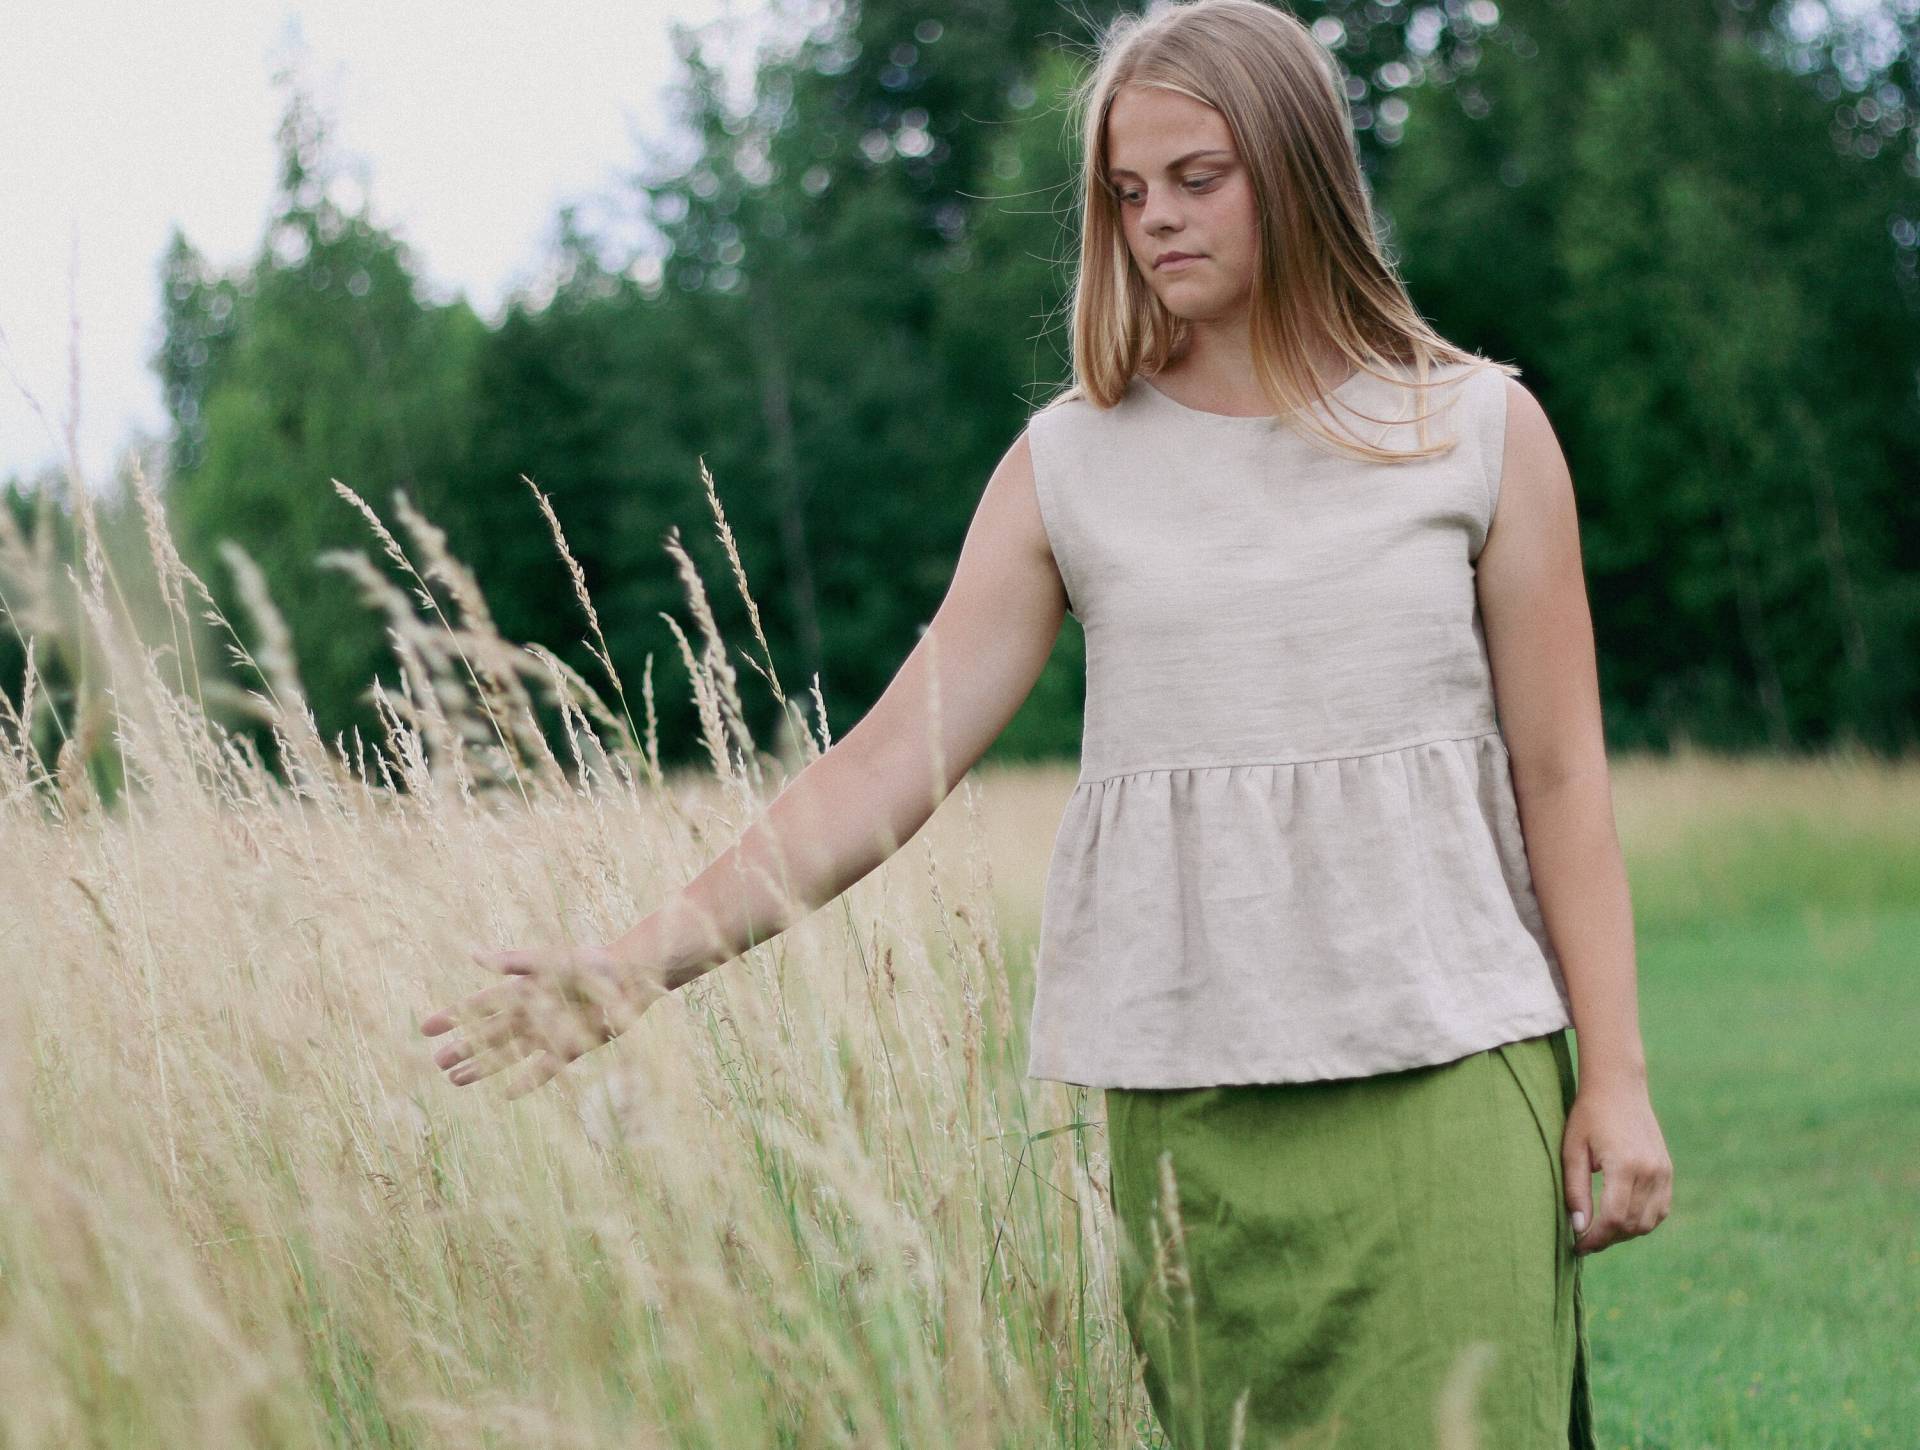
[[1177, 161]]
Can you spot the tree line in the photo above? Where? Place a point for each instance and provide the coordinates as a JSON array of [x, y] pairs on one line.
[[1694, 228]]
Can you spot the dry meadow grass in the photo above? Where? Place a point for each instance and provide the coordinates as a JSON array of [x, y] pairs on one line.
[[808, 1200]]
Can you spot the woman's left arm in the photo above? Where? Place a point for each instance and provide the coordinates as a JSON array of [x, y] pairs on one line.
[[1533, 605]]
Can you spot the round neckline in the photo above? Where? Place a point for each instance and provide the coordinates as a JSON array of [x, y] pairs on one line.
[[1353, 380]]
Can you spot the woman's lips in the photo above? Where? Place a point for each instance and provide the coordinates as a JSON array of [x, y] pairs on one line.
[[1175, 263]]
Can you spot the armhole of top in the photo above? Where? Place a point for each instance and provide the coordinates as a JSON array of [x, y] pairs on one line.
[[1494, 432], [1041, 455]]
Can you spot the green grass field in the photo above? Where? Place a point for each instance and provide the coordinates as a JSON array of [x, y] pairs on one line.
[[1779, 1305]]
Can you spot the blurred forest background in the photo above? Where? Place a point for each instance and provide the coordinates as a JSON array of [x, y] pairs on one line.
[[1696, 228]]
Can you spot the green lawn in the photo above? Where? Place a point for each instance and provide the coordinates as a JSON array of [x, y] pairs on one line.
[[1779, 1305]]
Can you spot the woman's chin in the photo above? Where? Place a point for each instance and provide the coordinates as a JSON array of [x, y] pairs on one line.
[[1202, 308]]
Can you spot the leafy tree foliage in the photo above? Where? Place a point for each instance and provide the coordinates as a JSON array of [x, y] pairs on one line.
[[1709, 297], [1693, 228]]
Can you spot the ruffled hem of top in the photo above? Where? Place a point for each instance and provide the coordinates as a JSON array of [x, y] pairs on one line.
[[1255, 916], [1489, 736]]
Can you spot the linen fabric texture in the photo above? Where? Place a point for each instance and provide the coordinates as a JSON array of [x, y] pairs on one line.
[[1293, 851], [1379, 1263]]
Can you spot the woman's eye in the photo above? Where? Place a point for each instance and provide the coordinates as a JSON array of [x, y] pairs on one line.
[[1127, 195]]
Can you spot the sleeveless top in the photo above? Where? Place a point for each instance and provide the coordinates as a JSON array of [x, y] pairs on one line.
[[1293, 851]]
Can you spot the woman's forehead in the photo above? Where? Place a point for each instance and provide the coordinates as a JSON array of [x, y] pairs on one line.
[[1149, 128]]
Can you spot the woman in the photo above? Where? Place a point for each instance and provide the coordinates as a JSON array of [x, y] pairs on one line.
[[1340, 871]]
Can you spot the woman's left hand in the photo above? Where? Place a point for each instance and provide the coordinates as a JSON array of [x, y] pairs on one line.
[[557, 1004], [1611, 1130]]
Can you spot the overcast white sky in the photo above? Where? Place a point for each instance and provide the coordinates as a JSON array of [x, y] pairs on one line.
[[472, 121]]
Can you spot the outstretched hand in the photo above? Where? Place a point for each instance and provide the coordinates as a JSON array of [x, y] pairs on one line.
[[1611, 1130], [557, 1004]]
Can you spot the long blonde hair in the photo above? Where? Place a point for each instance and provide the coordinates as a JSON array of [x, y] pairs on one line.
[[1321, 269]]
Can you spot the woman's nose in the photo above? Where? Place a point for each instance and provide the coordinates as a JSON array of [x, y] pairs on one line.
[[1160, 217]]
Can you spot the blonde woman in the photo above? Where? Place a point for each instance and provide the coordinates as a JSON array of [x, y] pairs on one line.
[[1339, 875]]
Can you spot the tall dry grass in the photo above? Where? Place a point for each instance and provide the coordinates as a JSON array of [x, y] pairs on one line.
[[809, 1200]]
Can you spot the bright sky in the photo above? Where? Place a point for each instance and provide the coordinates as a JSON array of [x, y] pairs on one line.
[[470, 121]]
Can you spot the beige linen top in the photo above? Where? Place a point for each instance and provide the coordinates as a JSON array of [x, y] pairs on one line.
[[1293, 850]]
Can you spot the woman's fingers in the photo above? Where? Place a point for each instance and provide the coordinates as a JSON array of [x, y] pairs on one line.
[[533, 1018], [540, 1068], [488, 1033], [482, 1025], [1605, 1228], [517, 961], [482, 1003], [1624, 1213], [485, 1064], [523, 961], [555, 1005], [517, 964]]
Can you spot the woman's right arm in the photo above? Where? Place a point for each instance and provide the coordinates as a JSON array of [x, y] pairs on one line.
[[871, 792]]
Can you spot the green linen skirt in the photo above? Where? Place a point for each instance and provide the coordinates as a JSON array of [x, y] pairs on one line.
[[1371, 1263]]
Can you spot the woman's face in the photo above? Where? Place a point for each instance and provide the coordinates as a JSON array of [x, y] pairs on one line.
[[1180, 186]]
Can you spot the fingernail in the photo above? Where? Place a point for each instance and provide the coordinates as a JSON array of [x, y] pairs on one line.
[[1579, 1221]]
